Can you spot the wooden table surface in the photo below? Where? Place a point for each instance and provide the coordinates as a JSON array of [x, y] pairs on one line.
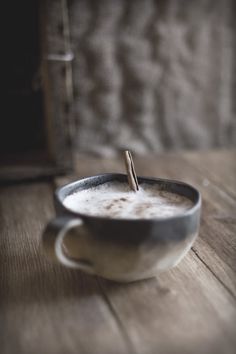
[[45, 308]]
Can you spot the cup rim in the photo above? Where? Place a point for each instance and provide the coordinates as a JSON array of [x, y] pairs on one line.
[[62, 192]]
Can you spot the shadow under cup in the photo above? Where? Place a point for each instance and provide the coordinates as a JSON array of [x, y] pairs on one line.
[[121, 249]]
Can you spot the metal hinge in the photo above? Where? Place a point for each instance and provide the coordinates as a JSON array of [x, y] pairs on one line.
[[66, 57]]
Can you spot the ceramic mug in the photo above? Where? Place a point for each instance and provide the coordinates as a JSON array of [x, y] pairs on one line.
[[121, 249]]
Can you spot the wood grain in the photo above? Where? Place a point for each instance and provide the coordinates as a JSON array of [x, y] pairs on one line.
[[46, 308], [220, 165], [184, 310]]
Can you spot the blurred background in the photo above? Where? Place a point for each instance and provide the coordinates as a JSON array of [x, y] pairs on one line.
[[154, 75], [100, 76]]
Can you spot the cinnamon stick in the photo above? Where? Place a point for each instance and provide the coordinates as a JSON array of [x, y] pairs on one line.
[[132, 178]]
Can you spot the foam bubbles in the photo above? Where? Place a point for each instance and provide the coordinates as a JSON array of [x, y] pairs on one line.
[[116, 200]]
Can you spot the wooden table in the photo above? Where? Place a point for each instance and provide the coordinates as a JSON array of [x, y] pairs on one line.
[[45, 308]]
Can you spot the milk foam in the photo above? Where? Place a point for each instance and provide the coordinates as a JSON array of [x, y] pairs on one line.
[[116, 200]]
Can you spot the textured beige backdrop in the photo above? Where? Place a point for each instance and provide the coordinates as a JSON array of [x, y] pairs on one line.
[[153, 75]]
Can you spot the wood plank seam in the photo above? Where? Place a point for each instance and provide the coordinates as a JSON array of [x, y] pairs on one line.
[[213, 273], [127, 340]]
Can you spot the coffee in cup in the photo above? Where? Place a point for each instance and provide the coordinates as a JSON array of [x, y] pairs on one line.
[[116, 200]]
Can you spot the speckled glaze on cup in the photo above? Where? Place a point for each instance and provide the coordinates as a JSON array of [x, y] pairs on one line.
[[121, 249]]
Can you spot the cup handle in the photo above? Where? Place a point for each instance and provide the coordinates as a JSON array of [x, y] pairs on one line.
[[52, 240]]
